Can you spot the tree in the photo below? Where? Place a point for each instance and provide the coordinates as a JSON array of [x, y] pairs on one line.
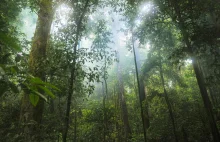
[[10, 43], [183, 14], [141, 91], [122, 101], [73, 69], [71, 90], [33, 114], [198, 73]]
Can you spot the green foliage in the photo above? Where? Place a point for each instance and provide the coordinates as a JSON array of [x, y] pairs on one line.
[[34, 98], [10, 45], [95, 114], [37, 88], [91, 123]]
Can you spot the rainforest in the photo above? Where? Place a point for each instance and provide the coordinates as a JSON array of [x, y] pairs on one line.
[[109, 70]]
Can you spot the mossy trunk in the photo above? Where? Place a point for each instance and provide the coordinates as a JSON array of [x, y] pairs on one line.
[[124, 110], [30, 116]]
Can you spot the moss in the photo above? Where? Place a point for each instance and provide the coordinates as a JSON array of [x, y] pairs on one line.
[[46, 5], [38, 52], [37, 57]]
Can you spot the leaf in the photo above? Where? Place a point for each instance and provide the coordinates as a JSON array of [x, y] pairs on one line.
[[52, 86], [37, 80], [10, 41], [2, 71], [34, 99], [41, 95], [14, 69], [47, 91]]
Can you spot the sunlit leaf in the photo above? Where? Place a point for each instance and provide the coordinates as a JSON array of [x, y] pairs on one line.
[[47, 91], [34, 99], [41, 95], [37, 80]]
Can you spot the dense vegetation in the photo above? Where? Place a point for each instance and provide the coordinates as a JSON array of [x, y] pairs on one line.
[[109, 70]]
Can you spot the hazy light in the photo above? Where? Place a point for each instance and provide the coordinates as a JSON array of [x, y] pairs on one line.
[[86, 43], [106, 13], [146, 8], [188, 61], [63, 11], [128, 35], [29, 22], [62, 15], [128, 54], [92, 36], [91, 17], [148, 46], [137, 22], [170, 83], [143, 10], [122, 42]]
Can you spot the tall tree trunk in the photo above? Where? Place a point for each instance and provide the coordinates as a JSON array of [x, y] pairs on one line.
[[199, 77], [75, 126], [51, 106], [204, 71], [203, 120], [141, 92], [104, 113], [123, 104], [185, 136], [73, 72], [105, 77], [37, 58], [168, 102], [135, 87], [69, 99], [117, 116], [105, 95]]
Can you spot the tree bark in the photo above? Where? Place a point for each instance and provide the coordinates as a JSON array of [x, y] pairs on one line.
[[117, 116], [168, 102], [204, 71], [141, 92], [75, 126], [185, 136], [123, 104], [104, 113], [73, 72], [31, 116], [199, 77]]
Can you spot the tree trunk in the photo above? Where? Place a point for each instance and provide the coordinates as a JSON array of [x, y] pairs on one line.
[[141, 92], [73, 74], [105, 77], [185, 136], [51, 106], [75, 126], [203, 120], [204, 71], [104, 113], [168, 102], [31, 116], [117, 116], [123, 104], [199, 77]]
